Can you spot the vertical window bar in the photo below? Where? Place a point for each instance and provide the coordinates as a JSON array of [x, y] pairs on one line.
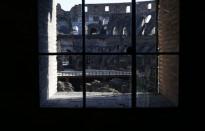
[[157, 44], [83, 62], [133, 54]]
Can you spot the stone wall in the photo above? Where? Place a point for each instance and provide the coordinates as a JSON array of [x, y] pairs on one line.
[[104, 22], [47, 44]]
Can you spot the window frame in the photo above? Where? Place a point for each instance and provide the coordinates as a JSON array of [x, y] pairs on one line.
[[133, 53]]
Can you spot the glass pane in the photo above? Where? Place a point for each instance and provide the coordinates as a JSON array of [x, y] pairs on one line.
[[146, 73], [69, 84], [60, 81], [157, 86], [146, 26], [108, 81], [69, 26], [108, 25]]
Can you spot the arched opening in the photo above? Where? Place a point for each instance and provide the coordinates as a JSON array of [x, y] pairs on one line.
[[75, 30], [128, 9], [124, 31], [148, 18], [153, 31], [143, 32], [105, 21], [114, 31], [86, 29], [143, 22]]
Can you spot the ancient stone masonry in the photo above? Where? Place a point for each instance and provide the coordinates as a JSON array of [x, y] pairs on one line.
[[99, 21], [106, 31], [113, 22]]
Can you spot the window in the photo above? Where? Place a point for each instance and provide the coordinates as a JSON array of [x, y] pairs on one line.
[[149, 6], [105, 21], [106, 8], [86, 9], [128, 9], [91, 69]]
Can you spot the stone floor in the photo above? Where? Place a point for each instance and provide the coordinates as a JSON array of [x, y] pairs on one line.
[[107, 100]]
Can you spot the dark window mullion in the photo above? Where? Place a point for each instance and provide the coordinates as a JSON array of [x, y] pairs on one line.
[[133, 54], [157, 46], [157, 25], [83, 63], [138, 53]]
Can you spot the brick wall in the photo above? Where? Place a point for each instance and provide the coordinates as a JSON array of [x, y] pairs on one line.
[[169, 25], [168, 77], [169, 42]]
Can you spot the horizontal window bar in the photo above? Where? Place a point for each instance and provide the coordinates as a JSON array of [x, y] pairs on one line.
[[145, 53]]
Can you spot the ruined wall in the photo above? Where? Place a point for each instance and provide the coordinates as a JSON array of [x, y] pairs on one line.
[[114, 8], [108, 31], [169, 42], [97, 18]]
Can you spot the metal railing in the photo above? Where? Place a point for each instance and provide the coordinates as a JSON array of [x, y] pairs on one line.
[[95, 73]]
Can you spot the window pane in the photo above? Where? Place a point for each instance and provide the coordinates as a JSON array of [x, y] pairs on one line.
[[146, 26], [146, 73], [60, 80], [157, 90], [108, 81], [69, 84], [108, 26], [69, 26]]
